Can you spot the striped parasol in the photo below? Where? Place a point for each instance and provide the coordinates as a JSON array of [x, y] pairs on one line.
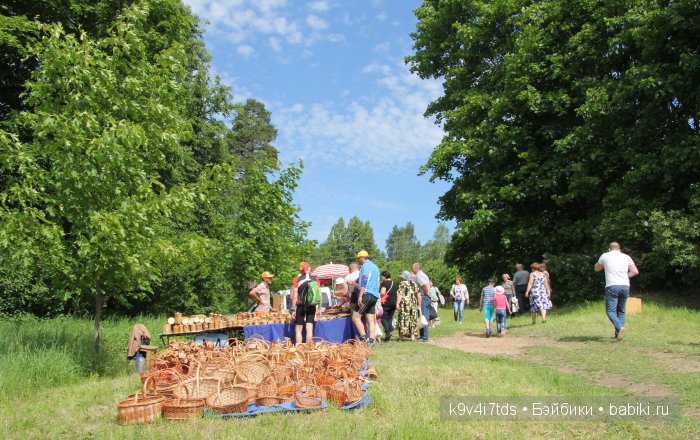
[[330, 271]]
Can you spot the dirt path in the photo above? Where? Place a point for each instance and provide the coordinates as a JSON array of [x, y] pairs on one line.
[[515, 346]]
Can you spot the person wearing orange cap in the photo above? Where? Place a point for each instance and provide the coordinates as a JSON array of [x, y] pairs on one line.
[[261, 293]]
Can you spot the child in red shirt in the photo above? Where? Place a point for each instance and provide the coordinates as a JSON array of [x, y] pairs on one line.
[[500, 300]]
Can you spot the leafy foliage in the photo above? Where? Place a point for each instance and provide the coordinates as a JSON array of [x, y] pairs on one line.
[[122, 187], [344, 242], [568, 125]]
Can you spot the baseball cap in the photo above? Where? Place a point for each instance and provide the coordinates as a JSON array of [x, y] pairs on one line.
[[340, 280], [266, 274], [305, 266], [362, 253]]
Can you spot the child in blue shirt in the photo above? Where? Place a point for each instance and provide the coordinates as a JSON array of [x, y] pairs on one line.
[[487, 306]]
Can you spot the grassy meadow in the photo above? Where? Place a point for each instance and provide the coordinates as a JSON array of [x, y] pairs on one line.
[[50, 387]]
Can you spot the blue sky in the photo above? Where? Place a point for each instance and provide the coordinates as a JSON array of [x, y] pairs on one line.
[[332, 75]]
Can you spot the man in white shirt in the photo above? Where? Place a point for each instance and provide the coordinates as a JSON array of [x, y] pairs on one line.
[[424, 302], [619, 268]]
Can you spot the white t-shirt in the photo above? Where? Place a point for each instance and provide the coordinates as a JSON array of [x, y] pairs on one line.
[[616, 265], [422, 280], [459, 291], [353, 277]]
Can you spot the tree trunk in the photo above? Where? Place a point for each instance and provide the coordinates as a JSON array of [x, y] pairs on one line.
[[98, 316]]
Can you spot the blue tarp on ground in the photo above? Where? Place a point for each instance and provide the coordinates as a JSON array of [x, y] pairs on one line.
[[332, 330]]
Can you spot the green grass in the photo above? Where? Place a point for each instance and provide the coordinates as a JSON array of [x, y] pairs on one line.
[[413, 378]]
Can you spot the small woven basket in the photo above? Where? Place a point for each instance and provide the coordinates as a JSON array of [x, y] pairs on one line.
[[228, 400], [183, 409], [140, 408], [308, 396]]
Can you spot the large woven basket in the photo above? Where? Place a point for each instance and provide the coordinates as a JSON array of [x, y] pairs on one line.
[[183, 409], [229, 400], [140, 408], [196, 387]]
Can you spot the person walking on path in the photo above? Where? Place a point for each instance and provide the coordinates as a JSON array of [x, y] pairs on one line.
[[486, 305], [367, 298], [407, 302], [537, 289], [459, 295], [500, 301], [434, 302], [425, 303], [520, 280], [388, 293], [619, 268], [549, 280], [508, 289]]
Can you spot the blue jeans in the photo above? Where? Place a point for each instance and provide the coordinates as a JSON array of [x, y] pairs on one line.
[[615, 302], [425, 307], [458, 306], [501, 316]]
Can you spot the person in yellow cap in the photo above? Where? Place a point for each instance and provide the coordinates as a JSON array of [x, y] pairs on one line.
[[261, 293], [367, 298]]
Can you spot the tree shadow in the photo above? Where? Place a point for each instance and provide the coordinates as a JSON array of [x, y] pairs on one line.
[[584, 338]]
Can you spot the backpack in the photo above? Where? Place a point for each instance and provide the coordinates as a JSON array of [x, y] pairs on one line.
[[312, 296]]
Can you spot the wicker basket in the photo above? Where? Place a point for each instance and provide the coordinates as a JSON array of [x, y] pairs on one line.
[[183, 409], [353, 390], [229, 400], [196, 388], [140, 408], [335, 394], [267, 400], [308, 396]]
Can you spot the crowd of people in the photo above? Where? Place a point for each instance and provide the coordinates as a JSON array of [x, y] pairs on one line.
[[408, 306]]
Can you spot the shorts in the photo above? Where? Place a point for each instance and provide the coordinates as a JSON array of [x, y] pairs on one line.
[[369, 305], [305, 314], [489, 311]]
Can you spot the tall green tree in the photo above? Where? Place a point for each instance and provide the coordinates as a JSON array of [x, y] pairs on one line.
[[104, 123], [344, 242], [402, 243], [568, 125]]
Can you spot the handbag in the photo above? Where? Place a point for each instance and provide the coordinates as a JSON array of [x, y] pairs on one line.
[[422, 322], [433, 313]]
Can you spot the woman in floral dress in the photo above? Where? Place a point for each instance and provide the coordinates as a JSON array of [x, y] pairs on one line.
[[537, 291], [407, 306]]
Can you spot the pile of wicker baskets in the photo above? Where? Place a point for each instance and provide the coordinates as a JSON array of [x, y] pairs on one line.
[[185, 378]]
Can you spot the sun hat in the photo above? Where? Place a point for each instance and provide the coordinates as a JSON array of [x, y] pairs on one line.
[[340, 280], [362, 253], [266, 274], [500, 289]]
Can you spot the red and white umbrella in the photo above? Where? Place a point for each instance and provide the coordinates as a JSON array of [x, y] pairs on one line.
[[330, 271]]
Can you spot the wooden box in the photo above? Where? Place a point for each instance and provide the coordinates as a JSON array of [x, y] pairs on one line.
[[278, 302], [634, 305]]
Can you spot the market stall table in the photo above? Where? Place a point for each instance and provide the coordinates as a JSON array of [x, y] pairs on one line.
[[165, 337], [338, 329]]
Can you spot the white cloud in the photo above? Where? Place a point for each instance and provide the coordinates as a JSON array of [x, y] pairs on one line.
[[373, 68], [386, 129], [241, 21], [245, 50], [319, 6], [274, 44], [335, 38], [382, 16], [382, 48], [317, 23]]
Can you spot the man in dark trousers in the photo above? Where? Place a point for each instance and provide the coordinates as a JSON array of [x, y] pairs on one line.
[[520, 280]]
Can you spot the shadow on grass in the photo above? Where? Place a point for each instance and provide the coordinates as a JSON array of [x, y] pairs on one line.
[[585, 338]]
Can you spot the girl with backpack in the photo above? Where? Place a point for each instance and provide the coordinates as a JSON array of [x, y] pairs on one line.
[[306, 297]]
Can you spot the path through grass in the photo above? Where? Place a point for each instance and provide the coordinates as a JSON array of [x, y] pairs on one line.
[[567, 356]]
